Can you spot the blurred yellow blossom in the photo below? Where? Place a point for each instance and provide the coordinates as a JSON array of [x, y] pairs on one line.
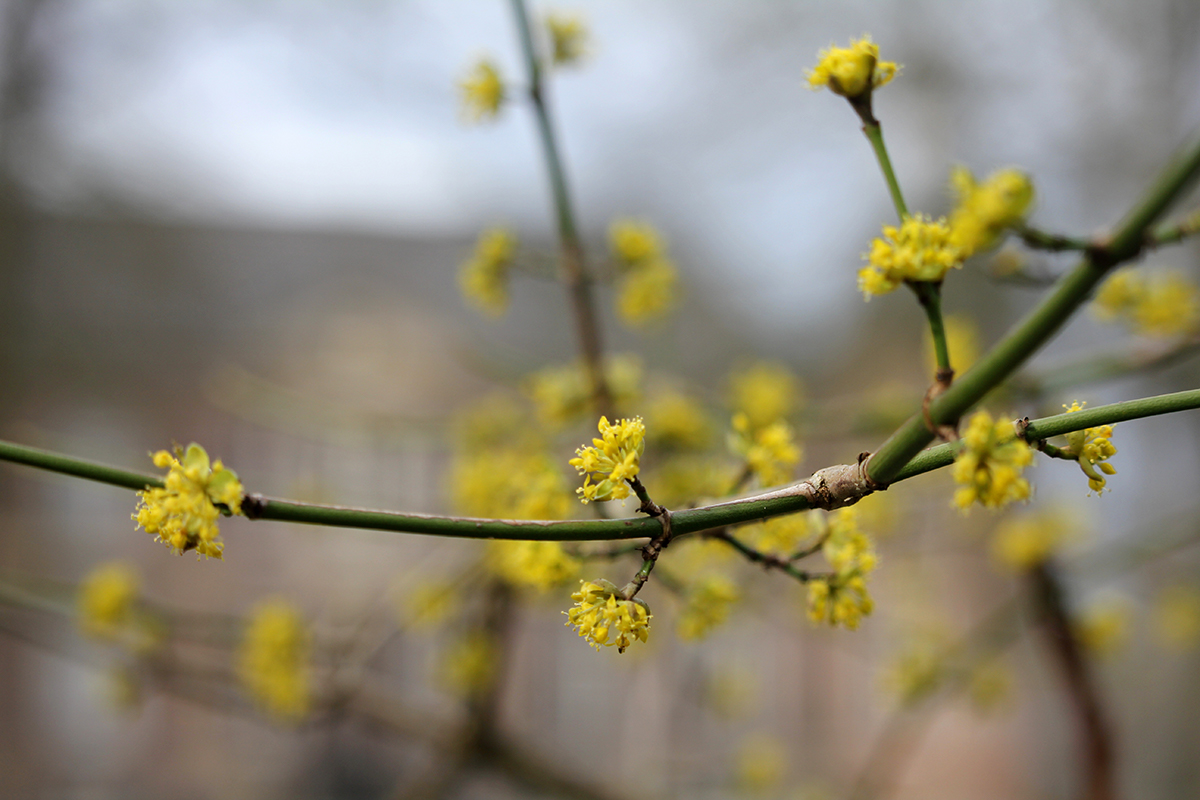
[[509, 484], [915, 672], [693, 555], [1156, 304], [675, 420], [107, 600], [962, 339], [1022, 542], [568, 38], [563, 393], [761, 764], [429, 604], [731, 692], [765, 392], [482, 92], [183, 514], [842, 598], [273, 662], [538, 565], [1103, 628], [707, 603], [648, 293], [495, 422], [602, 610], [780, 535], [769, 452], [852, 71], [1093, 447], [689, 479], [483, 278], [986, 210], [921, 249], [989, 464], [1177, 617], [614, 459], [468, 665], [634, 242]]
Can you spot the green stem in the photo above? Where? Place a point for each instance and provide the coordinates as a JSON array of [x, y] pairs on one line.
[[1040, 324], [574, 266], [930, 295], [77, 467], [1052, 242], [1173, 234], [1059, 424], [874, 132]]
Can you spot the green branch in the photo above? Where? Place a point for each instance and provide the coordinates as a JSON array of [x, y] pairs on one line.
[[874, 132], [1040, 324], [77, 467]]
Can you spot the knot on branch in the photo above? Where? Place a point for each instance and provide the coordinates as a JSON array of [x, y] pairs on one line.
[[253, 506], [840, 486]]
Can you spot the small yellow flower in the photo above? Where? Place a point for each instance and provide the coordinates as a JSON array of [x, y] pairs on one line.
[[986, 210], [107, 600], [602, 610], [273, 662], [765, 392], [483, 279], [183, 515], [647, 292], [1023, 542], [613, 460], [1093, 447], [482, 92], [568, 38], [1177, 617], [634, 242], [852, 71], [988, 467], [468, 666], [538, 565], [707, 603], [1160, 304], [769, 452], [921, 249]]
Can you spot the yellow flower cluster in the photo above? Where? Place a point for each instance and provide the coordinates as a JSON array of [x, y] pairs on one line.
[[779, 535], [468, 666], [483, 279], [706, 606], [183, 515], [429, 604], [921, 249], [676, 421], [765, 392], [1022, 543], [563, 393], [648, 277], [107, 600], [568, 38], [538, 565], [842, 599], [686, 478], [988, 467], [769, 452], [852, 71], [273, 663], [509, 484], [482, 92], [984, 211], [614, 459], [1093, 447], [602, 609], [1160, 304]]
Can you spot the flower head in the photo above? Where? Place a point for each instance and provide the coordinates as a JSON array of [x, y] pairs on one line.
[[988, 467], [273, 663], [602, 610], [852, 71], [769, 452], [612, 460], [921, 249], [842, 597], [985, 210], [482, 91], [634, 242], [1157, 304], [1093, 447], [483, 279], [706, 605], [568, 38], [183, 514], [107, 600]]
